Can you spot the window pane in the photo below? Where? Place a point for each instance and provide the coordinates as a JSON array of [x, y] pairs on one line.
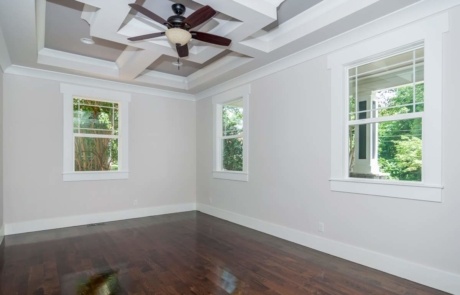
[[400, 100], [232, 118], [232, 154], [395, 152], [96, 154], [394, 83], [95, 117]]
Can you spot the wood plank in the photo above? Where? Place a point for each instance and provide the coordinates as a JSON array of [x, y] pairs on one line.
[[186, 253]]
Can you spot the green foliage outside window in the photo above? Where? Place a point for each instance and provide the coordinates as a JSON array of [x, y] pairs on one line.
[[400, 142], [95, 153], [232, 124]]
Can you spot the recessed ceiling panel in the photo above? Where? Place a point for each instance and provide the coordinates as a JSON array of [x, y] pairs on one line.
[[64, 28], [168, 64]]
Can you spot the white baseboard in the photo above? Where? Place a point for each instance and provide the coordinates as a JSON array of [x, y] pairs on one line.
[[60, 222], [435, 278]]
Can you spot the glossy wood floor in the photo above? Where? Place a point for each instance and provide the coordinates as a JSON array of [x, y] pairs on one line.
[[186, 253]]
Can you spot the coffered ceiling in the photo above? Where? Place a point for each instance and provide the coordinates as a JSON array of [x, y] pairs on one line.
[[47, 34]]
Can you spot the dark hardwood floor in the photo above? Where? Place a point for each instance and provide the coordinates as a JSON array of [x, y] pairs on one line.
[[186, 253]]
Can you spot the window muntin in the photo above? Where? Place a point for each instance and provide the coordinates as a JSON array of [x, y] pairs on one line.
[[385, 107], [385, 77]]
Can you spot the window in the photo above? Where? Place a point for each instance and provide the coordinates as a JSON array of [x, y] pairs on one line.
[[95, 133], [231, 134], [385, 117], [386, 114]]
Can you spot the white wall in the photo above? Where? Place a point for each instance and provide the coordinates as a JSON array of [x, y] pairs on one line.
[[1, 157], [289, 170], [161, 154]]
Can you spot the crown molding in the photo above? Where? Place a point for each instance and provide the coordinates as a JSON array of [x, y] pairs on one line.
[[94, 82], [397, 19]]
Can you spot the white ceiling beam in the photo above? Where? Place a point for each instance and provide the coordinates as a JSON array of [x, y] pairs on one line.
[[133, 62]]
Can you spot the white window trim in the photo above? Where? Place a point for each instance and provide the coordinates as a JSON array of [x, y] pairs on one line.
[[242, 92], [69, 92], [430, 33]]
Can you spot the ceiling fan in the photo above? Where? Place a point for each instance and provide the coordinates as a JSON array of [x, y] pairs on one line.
[[179, 27]]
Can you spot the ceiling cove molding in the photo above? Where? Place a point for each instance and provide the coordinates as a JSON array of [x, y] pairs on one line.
[[108, 69], [400, 18], [77, 62], [93, 82], [163, 79]]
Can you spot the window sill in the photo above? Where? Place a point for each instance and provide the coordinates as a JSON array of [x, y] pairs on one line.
[[402, 190], [102, 175], [231, 175]]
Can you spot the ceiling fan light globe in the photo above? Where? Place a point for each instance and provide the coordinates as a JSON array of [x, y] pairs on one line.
[[178, 36]]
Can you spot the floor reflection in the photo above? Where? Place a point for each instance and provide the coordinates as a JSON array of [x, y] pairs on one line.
[[230, 283], [105, 282]]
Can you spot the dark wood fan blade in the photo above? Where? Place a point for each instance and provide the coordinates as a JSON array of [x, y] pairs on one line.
[[210, 38], [148, 13], [182, 51], [148, 36], [200, 16]]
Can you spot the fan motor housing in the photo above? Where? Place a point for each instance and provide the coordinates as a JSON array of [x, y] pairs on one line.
[[176, 21]]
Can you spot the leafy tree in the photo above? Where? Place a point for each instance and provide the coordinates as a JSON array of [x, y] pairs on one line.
[[232, 147], [101, 118], [400, 142]]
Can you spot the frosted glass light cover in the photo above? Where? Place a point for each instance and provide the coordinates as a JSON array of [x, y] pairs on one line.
[[178, 36]]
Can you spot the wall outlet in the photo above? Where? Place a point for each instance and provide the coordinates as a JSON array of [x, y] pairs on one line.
[[321, 227], [135, 202], [210, 200]]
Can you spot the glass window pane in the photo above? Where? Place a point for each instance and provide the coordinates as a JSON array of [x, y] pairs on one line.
[[96, 154], [395, 153], [400, 100], [95, 117], [232, 154], [394, 83], [232, 118]]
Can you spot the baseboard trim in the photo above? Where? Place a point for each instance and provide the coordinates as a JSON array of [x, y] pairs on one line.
[[435, 278], [61, 222]]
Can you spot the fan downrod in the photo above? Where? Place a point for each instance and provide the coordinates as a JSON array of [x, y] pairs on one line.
[[177, 21]]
